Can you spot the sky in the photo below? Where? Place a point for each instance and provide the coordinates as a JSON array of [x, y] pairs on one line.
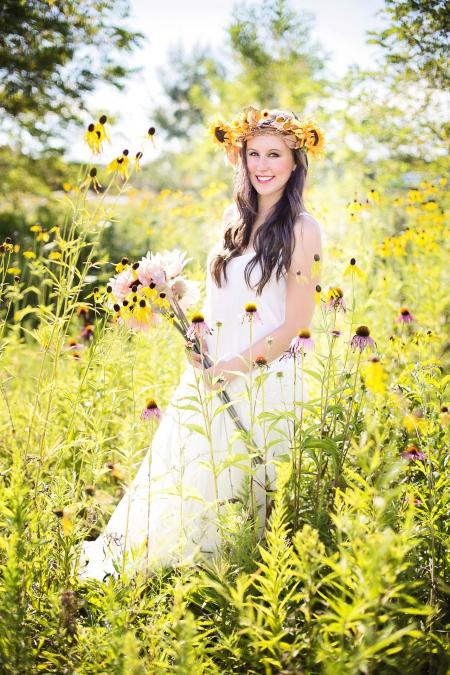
[[339, 25]]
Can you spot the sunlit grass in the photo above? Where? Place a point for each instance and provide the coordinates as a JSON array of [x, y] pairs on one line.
[[350, 576]]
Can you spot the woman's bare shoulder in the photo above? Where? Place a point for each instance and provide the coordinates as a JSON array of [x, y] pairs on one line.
[[306, 225]]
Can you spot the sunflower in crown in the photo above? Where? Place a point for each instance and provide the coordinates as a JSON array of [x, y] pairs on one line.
[[301, 134]]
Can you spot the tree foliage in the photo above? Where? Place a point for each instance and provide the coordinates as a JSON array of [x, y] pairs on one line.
[[417, 39], [53, 52]]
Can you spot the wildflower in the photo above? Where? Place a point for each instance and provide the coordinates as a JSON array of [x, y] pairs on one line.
[[150, 134], [335, 333], [198, 328], [73, 344], [405, 316], [444, 415], [92, 181], [123, 265], [412, 452], [83, 311], [137, 160], [415, 421], [335, 300], [300, 279], [90, 490], [362, 339], [318, 294], [55, 255], [375, 376], [120, 165], [374, 196], [36, 228], [29, 255], [352, 268], [87, 332], [116, 470], [261, 362], [151, 411], [93, 139], [315, 268], [13, 270], [250, 313], [101, 130], [301, 344]]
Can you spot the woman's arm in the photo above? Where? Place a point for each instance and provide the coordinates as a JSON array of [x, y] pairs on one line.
[[299, 303]]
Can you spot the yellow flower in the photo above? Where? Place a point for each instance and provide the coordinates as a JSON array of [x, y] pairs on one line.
[[300, 278], [375, 376], [29, 255], [315, 268], [151, 134], [415, 421], [36, 228], [101, 130], [221, 133], [352, 268], [137, 160], [67, 187], [93, 139], [120, 165], [312, 138], [318, 295], [13, 270], [55, 255], [374, 196]]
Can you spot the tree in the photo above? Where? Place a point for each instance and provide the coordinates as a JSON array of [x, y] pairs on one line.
[[53, 52], [269, 59], [417, 39]]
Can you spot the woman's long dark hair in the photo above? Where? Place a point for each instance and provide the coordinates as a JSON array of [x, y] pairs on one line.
[[274, 239]]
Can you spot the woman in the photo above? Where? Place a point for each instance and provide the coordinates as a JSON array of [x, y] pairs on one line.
[[260, 292]]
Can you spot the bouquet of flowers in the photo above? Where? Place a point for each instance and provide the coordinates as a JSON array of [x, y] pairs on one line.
[[143, 292]]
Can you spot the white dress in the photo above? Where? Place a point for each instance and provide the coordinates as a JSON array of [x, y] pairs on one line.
[[168, 515]]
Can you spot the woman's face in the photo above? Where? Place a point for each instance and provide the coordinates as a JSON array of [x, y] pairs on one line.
[[270, 163]]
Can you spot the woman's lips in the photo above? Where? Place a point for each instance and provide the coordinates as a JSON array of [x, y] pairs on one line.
[[264, 179]]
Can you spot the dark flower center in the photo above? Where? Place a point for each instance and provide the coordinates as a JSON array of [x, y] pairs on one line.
[[362, 331]]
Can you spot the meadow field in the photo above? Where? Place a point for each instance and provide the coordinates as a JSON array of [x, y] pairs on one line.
[[350, 576]]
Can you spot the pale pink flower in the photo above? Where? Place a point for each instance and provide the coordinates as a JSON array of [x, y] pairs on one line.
[[405, 316], [250, 314], [121, 283], [301, 344], [362, 339], [173, 263], [198, 328], [151, 270]]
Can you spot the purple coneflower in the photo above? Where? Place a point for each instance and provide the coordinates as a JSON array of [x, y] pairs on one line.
[[405, 316], [335, 300], [301, 344], [151, 411], [362, 339], [335, 333], [198, 328], [250, 313], [412, 452]]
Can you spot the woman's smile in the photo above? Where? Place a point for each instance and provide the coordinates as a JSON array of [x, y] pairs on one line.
[[264, 179]]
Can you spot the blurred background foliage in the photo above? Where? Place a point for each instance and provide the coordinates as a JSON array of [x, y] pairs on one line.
[[386, 126]]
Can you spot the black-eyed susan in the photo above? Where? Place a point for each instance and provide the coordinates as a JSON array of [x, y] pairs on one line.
[[415, 421], [120, 165], [316, 267], [92, 136], [101, 129], [151, 135], [362, 339], [151, 410], [91, 180], [250, 314], [137, 161], [29, 255], [353, 269], [300, 278], [199, 328], [444, 415], [14, 270], [318, 295]]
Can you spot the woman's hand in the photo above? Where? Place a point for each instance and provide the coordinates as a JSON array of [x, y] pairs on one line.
[[209, 374]]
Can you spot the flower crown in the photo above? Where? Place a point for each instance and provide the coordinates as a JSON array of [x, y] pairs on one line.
[[301, 134]]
